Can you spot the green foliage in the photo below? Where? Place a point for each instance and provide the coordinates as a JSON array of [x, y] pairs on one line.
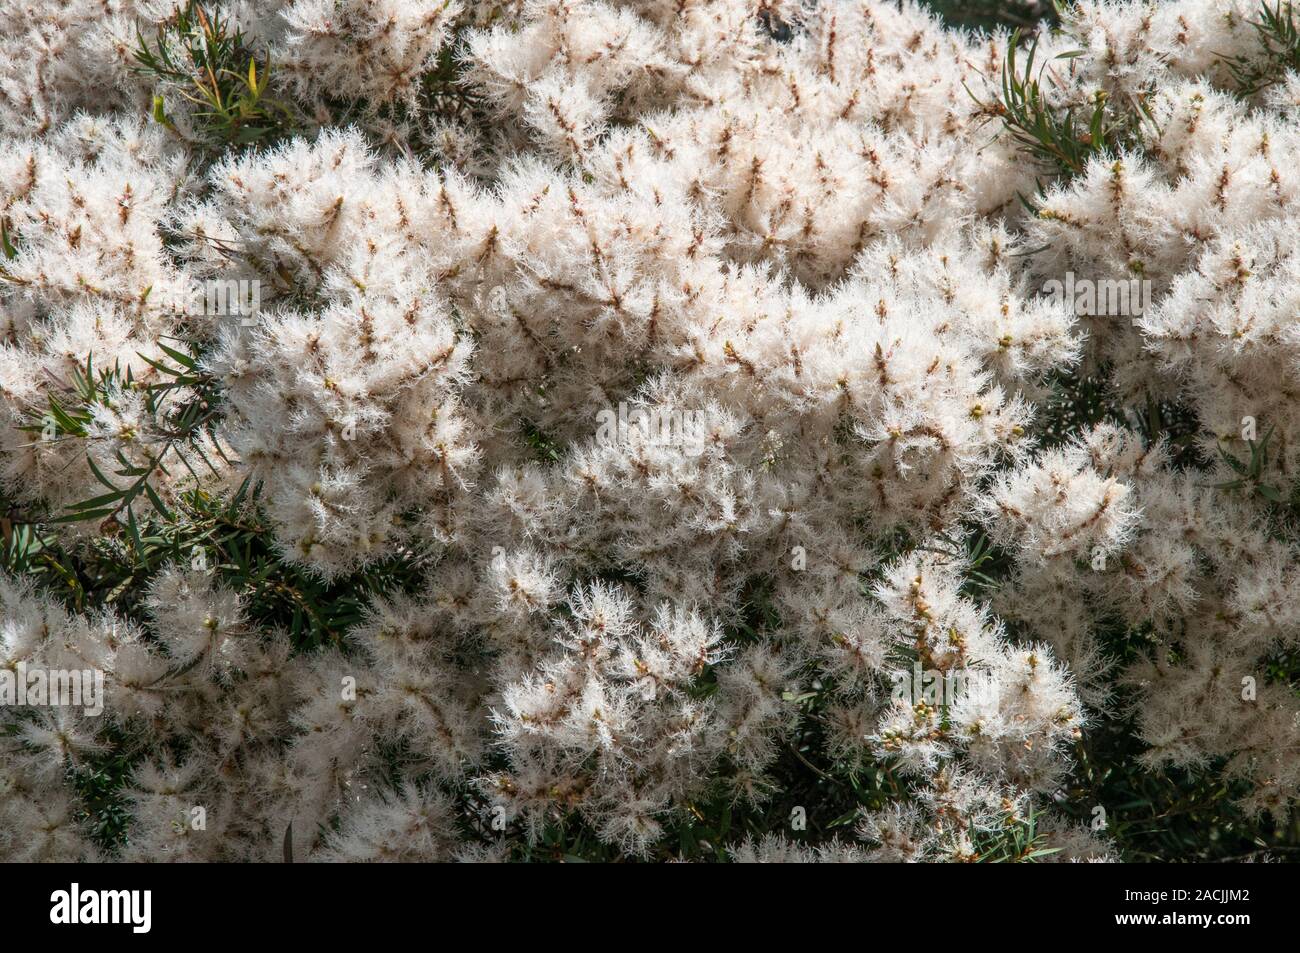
[[183, 405], [1279, 40], [6, 246], [1250, 473], [1060, 138], [100, 783], [1018, 842], [442, 90], [1187, 815], [229, 536], [197, 56], [544, 447], [1076, 403]]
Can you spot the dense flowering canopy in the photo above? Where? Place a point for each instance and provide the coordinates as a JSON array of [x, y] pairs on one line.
[[798, 236]]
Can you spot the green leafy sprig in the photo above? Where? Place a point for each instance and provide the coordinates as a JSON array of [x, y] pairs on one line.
[[1279, 39], [198, 57], [183, 427], [1250, 473], [1060, 138]]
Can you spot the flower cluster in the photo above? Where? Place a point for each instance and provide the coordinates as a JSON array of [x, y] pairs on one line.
[[792, 252]]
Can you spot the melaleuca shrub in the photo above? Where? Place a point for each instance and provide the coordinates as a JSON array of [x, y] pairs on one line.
[[490, 431]]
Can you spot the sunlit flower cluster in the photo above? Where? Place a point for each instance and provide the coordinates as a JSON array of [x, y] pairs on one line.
[[793, 226]]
